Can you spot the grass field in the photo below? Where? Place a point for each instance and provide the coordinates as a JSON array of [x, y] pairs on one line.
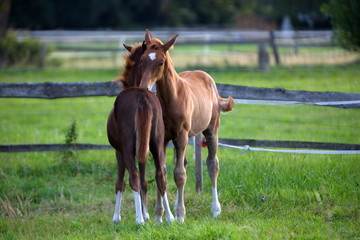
[[263, 195], [219, 55]]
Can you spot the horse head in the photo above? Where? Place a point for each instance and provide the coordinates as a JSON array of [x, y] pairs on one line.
[[154, 59], [132, 73]]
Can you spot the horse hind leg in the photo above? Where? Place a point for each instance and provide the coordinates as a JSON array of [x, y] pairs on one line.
[[180, 175], [119, 187], [143, 191], [212, 163], [134, 180], [159, 208]]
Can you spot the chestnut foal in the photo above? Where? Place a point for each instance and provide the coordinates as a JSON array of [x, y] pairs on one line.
[[191, 105], [135, 126]]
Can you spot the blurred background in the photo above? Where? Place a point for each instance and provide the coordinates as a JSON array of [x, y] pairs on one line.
[[212, 33]]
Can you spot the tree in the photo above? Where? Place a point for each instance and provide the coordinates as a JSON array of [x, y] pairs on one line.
[[345, 19], [4, 14]]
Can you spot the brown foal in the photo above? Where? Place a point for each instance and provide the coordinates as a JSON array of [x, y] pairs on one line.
[[191, 105], [135, 126]]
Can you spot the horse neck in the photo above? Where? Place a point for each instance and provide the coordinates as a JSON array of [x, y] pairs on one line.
[[167, 86]]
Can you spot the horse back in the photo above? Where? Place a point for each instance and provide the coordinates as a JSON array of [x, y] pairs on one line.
[[122, 119]]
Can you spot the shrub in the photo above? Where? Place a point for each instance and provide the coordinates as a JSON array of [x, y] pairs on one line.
[[20, 53], [345, 20]]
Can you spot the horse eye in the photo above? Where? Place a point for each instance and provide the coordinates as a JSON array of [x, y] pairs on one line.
[[161, 63]]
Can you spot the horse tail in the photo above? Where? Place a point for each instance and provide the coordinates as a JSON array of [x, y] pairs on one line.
[[226, 105], [143, 119]]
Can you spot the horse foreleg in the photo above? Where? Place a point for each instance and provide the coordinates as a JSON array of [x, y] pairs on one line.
[[212, 163], [161, 200], [119, 187], [180, 175], [159, 207], [143, 191]]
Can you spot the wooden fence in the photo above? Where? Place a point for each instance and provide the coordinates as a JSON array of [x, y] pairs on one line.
[[54, 90], [111, 41]]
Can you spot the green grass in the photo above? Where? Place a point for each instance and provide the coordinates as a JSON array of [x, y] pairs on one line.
[[49, 120], [318, 79], [105, 46], [46, 121], [222, 55], [263, 195]]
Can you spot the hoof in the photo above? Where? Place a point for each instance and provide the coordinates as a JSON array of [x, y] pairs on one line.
[[146, 217], [116, 219], [170, 218], [158, 219], [216, 211], [180, 219], [139, 221]]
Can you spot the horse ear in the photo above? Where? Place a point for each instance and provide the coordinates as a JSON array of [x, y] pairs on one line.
[[148, 36], [143, 47], [170, 43], [129, 48]]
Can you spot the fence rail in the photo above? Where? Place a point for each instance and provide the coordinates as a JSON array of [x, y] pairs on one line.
[[53, 90], [202, 36], [230, 141]]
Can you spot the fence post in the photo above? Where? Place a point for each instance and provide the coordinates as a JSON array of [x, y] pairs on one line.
[[295, 44], [263, 58], [206, 48], [274, 48], [42, 60], [198, 163]]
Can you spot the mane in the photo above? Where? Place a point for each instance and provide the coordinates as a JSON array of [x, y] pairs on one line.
[[131, 75]]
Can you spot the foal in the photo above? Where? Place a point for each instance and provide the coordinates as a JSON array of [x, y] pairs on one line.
[[135, 126], [191, 105]]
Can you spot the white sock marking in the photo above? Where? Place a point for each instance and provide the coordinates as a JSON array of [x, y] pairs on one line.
[[168, 215], [176, 206], [152, 56], [215, 205], [145, 211], [139, 217], [117, 217]]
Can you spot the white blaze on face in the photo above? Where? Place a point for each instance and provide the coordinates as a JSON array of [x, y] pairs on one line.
[[152, 56]]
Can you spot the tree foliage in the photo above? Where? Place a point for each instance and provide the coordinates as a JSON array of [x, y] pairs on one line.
[[130, 14], [345, 19]]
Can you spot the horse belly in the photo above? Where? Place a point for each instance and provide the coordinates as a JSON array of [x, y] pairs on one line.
[[200, 121]]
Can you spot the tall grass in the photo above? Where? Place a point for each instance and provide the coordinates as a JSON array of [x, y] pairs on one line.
[[263, 196]]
